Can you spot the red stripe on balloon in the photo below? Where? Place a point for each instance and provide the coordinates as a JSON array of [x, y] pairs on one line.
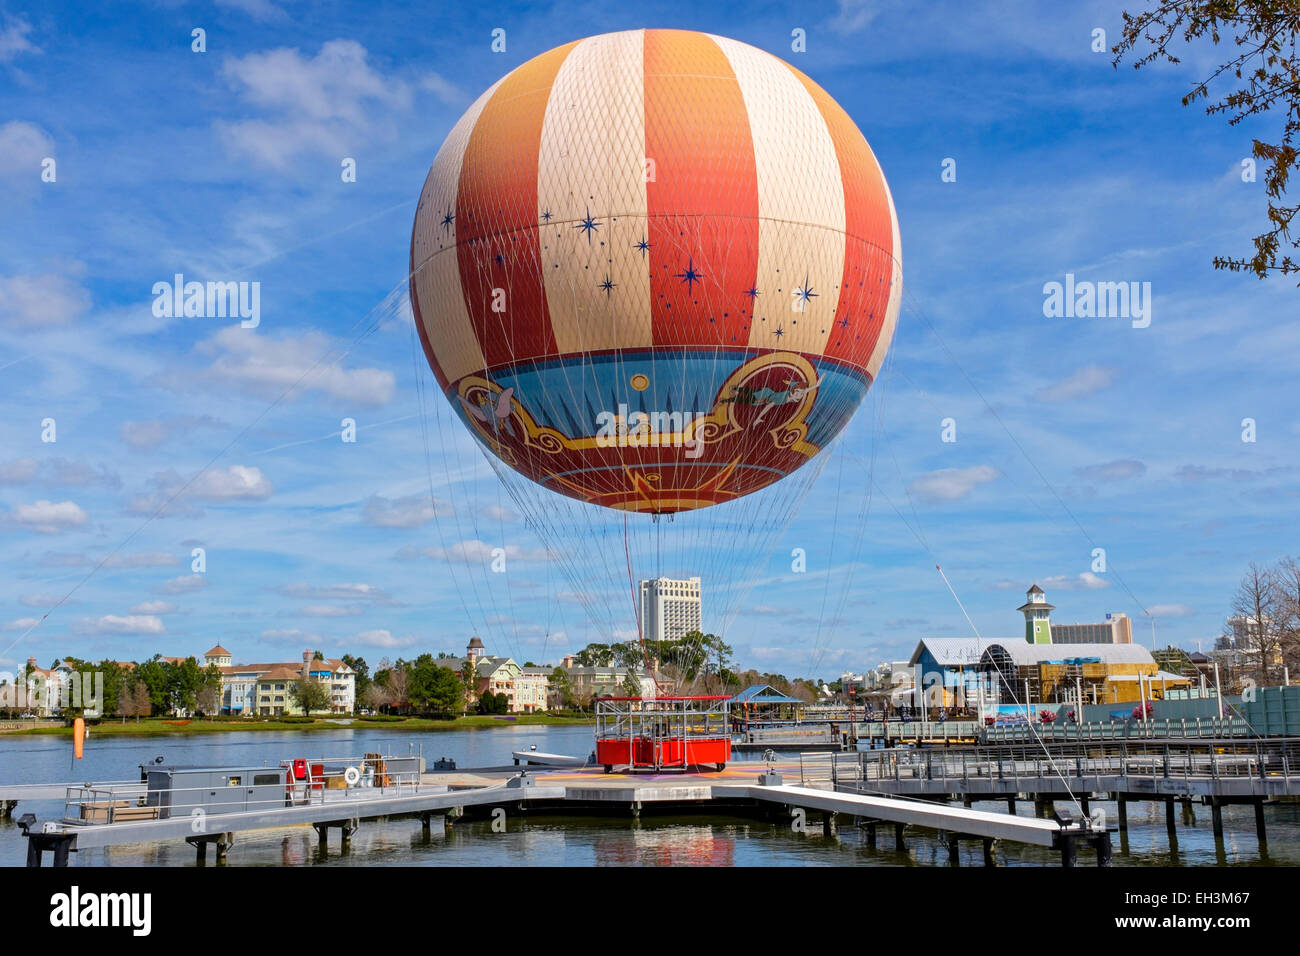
[[496, 216], [703, 202], [869, 243]]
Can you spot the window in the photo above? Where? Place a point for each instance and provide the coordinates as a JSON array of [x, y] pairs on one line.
[[234, 781], [266, 779]]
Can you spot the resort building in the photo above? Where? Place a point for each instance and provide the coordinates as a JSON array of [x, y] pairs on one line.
[[1080, 663], [669, 608], [525, 687], [1039, 629], [262, 690], [39, 690], [588, 683]]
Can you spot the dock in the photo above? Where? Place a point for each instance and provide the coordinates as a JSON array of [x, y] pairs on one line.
[[757, 788]]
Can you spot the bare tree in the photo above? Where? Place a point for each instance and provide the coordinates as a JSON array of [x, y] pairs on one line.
[[208, 700], [397, 687], [376, 696], [1287, 578], [1264, 66], [1255, 612]]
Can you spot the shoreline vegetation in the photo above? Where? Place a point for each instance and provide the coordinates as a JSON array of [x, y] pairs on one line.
[[160, 726]]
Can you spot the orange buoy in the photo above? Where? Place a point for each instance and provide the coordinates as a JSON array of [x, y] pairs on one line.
[[78, 737]]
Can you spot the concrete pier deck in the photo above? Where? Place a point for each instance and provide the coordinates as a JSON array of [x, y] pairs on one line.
[[573, 791]]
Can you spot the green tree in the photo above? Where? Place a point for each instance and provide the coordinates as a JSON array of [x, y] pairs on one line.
[[184, 681], [561, 690], [309, 694], [469, 680], [362, 669], [153, 677], [1266, 68], [434, 688]]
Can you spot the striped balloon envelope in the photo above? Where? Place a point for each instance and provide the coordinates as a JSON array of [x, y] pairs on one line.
[[655, 270]]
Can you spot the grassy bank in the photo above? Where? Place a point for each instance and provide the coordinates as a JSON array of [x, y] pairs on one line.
[[157, 726]]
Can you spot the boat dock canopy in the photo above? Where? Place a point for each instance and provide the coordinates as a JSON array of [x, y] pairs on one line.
[[763, 694]]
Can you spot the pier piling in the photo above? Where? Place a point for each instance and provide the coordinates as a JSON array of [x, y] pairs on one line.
[[1259, 824], [989, 859]]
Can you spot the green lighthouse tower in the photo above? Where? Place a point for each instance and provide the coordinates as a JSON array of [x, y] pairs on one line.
[[1038, 623]]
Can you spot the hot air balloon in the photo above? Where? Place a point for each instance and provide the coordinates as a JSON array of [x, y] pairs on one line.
[[655, 270]]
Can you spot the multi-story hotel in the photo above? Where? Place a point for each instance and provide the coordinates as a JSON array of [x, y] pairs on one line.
[[670, 608]]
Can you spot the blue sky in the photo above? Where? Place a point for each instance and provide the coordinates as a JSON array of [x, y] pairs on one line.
[[1072, 433]]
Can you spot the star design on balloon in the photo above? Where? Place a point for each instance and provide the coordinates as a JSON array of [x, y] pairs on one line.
[[447, 220], [752, 292], [643, 247], [778, 332], [546, 216], [608, 285], [689, 276], [588, 226], [805, 292]]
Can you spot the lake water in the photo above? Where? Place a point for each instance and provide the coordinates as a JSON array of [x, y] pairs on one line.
[[538, 839]]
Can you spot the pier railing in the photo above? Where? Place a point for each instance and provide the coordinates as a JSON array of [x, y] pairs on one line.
[[1161, 729], [326, 780], [1203, 760]]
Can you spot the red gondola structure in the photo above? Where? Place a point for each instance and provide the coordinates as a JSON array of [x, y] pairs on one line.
[[663, 733]]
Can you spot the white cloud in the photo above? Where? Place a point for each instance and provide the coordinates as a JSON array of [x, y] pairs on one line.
[[382, 638], [1084, 382], [474, 551], [49, 517], [331, 610], [1112, 470], [22, 148], [149, 434], [498, 513], [409, 512], [852, 16], [154, 607], [56, 471], [184, 584], [22, 624], [292, 635], [143, 559], [171, 494], [41, 301], [223, 484], [19, 471], [13, 40], [1087, 581], [1170, 610], [442, 88], [257, 9], [951, 484], [361, 592], [327, 104], [131, 624], [267, 367]]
